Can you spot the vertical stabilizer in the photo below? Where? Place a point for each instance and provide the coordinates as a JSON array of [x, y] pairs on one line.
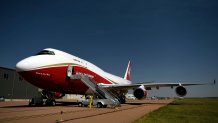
[[128, 70]]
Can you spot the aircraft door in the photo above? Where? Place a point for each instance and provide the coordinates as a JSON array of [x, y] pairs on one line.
[[70, 71], [70, 83]]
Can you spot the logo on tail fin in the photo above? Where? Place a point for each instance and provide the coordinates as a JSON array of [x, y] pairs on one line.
[[128, 71]]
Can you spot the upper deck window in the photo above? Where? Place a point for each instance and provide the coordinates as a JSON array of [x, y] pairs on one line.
[[46, 52]]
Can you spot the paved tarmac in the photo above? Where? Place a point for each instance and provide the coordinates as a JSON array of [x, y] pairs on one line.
[[20, 112]]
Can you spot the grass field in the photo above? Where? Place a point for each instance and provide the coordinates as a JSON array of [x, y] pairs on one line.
[[185, 111]]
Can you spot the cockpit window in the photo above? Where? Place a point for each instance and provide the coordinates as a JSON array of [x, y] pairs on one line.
[[46, 52]]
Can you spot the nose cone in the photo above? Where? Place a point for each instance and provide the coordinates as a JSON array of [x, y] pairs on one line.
[[22, 65]]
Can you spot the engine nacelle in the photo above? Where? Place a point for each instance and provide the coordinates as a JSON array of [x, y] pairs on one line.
[[181, 91], [140, 93]]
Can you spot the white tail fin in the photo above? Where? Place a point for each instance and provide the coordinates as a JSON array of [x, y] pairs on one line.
[[128, 71]]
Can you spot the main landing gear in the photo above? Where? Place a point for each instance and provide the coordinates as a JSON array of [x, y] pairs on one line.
[[46, 98], [50, 102], [122, 99], [38, 101]]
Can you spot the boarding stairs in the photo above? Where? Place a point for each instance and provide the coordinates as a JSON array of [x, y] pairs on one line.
[[98, 90]]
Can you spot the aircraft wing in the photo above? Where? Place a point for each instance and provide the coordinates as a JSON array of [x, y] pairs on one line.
[[149, 85]]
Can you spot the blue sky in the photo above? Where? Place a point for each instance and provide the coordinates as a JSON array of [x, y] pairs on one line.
[[167, 41]]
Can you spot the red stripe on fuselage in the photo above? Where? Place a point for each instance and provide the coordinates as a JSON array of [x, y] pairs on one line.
[[55, 79]]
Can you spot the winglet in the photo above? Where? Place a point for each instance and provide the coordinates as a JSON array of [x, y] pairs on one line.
[[214, 81], [128, 71]]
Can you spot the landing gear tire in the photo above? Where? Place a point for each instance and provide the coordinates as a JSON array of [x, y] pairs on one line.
[[30, 104], [50, 102], [122, 99]]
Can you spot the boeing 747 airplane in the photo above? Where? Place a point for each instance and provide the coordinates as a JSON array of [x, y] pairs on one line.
[[54, 70]]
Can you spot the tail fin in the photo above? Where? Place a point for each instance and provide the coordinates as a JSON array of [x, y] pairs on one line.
[[128, 71]]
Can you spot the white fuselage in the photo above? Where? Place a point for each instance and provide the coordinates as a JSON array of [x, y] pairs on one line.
[[46, 62]]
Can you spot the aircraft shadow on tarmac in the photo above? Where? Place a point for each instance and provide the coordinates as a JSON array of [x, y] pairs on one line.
[[135, 103], [76, 104], [57, 104]]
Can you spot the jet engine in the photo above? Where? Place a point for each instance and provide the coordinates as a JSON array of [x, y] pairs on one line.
[[140, 92], [181, 91]]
